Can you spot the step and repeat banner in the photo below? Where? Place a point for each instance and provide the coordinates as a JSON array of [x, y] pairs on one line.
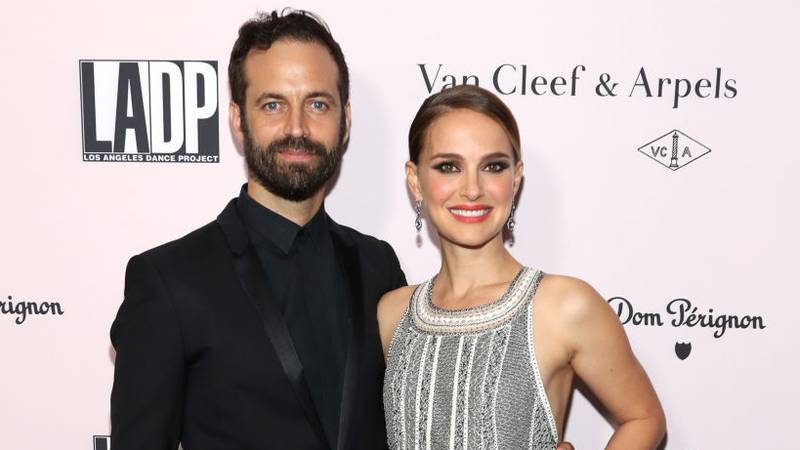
[[660, 153]]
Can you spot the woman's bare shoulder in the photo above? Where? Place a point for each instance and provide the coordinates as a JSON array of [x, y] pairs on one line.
[[391, 308], [394, 303], [568, 298], [575, 313]]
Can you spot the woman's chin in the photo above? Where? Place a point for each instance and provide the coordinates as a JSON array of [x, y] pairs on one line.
[[470, 239]]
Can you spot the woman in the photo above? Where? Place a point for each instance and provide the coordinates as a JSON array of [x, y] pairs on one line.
[[461, 368]]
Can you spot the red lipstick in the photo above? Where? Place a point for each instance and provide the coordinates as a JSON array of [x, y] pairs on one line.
[[470, 213]]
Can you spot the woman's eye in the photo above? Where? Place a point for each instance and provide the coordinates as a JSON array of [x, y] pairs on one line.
[[495, 167], [446, 167]]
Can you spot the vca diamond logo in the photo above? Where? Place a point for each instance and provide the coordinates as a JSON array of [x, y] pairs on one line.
[[674, 150]]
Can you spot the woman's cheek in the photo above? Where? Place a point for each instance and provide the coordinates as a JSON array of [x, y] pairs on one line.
[[438, 188], [500, 188]]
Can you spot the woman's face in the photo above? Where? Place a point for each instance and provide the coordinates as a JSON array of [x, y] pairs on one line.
[[466, 177]]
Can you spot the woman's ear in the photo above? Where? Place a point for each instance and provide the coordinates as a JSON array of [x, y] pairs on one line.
[[519, 170], [412, 179]]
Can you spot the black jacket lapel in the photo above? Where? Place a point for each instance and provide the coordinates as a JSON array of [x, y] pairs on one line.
[[251, 277], [347, 254]]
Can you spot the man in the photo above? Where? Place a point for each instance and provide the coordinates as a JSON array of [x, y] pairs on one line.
[[259, 329]]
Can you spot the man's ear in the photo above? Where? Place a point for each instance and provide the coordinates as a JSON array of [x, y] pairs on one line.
[[412, 179], [346, 118], [236, 118]]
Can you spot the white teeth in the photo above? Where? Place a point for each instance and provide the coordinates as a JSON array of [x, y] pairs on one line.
[[470, 212]]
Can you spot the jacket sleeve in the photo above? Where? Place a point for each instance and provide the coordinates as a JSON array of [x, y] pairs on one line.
[[396, 275], [147, 397]]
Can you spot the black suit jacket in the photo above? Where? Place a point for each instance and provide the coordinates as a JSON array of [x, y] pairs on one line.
[[204, 358]]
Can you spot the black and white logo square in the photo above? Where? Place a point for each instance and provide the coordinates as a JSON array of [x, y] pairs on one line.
[[674, 149], [101, 442], [152, 111]]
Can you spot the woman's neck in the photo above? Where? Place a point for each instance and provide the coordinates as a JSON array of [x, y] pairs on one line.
[[467, 269]]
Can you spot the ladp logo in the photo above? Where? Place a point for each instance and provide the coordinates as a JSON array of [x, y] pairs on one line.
[[154, 111], [674, 150]]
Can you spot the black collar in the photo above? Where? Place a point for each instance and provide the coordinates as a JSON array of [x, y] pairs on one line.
[[265, 224]]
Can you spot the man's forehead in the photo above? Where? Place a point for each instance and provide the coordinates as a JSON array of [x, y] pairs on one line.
[[291, 60]]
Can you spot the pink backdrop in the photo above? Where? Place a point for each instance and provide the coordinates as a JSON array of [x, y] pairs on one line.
[[720, 232]]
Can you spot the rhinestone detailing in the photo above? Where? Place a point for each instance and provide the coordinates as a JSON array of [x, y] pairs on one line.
[[468, 379], [430, 318]]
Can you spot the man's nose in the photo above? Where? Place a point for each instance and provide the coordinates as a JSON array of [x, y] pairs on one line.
[[296, 123]]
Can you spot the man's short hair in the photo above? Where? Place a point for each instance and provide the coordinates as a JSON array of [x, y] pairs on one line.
[[288, 24]]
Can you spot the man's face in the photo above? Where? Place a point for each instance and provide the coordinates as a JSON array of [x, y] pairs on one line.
[[292, 124]]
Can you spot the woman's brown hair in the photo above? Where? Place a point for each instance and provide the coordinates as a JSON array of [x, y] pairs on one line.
[[469, 97]]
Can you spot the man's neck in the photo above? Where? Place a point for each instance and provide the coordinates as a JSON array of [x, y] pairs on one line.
[[298, 212]]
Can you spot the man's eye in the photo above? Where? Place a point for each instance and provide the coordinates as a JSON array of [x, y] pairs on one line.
[[271, 106], [495, 167], [319, 105], [446, 167]]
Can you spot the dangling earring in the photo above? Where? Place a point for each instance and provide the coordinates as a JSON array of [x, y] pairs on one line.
[[510, 223], [418, 220]]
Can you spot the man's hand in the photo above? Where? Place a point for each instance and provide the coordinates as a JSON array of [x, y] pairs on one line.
[[565, 446]]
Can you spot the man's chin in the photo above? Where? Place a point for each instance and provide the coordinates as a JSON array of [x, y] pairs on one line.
[[286, 192]]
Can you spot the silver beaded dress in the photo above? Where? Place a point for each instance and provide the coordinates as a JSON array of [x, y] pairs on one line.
[[468, 379]]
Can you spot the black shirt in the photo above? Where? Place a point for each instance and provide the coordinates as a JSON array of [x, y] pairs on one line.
[[306, 282]]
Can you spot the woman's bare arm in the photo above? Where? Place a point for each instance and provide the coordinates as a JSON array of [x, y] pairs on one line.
[[601, 356]]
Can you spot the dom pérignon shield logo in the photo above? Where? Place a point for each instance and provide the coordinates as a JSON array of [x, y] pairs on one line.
[[674, 149], [682, 349]]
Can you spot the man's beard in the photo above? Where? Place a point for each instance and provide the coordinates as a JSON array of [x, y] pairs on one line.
[[292, 181]]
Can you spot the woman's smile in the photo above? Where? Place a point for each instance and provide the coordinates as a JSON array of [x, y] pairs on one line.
[[470, 213]]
